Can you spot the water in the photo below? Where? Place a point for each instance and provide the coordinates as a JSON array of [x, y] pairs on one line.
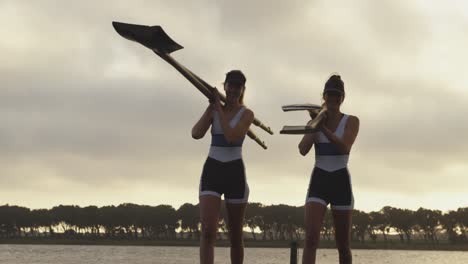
[[60, 254]]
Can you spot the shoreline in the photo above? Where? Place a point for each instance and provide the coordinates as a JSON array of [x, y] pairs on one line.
[[324, 244]]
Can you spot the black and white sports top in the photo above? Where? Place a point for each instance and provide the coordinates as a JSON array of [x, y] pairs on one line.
[[220, 148], [327, 156]]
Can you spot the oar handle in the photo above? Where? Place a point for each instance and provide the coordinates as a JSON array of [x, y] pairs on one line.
[[256, 139], [318, 119], [262, 126]]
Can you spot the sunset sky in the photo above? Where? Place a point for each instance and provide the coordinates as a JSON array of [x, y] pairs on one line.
[[89, 118]]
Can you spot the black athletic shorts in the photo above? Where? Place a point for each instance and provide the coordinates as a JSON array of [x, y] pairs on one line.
[[332, 188], [226, 178]]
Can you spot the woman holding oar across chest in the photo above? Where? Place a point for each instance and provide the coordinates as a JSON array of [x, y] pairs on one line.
[[330, 182], [224, 171]]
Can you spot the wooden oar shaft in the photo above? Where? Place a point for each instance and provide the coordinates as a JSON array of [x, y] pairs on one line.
[[223, 98], [204, 89]]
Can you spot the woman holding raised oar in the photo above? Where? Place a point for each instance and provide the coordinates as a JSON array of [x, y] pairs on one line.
[[330, 182], [224, 172]]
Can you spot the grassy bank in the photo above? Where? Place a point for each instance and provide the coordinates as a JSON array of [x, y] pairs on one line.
[[414, 245]]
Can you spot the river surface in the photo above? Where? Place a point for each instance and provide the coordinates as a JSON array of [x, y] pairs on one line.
[[72, 254]]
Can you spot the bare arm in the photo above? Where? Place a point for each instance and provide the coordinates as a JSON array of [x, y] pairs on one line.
[[351, 130], [200, 128], [306, 143]]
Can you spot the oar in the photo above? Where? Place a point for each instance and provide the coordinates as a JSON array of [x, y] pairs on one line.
[[160, 43], [318, 113]]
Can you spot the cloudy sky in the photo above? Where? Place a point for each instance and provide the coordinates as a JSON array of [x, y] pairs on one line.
[[88, 117]]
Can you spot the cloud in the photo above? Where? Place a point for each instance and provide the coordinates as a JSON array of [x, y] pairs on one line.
[[84, 109]]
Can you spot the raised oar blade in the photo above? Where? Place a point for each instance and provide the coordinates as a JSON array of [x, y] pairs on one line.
[[152, 37], [157, 40]]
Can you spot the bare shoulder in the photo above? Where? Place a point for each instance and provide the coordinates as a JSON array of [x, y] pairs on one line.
[[353, 119], [248, 114], [353, 122]]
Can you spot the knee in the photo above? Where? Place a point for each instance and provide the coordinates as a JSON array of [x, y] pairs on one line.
[[312, 240], [208, 235]]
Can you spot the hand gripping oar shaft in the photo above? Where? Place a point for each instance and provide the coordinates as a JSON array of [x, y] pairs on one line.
[[316, 112], [223, 99], [204, 89], [318, 119]]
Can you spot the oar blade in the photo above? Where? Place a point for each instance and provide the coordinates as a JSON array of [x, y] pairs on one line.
[[297, 130], [152, 37]]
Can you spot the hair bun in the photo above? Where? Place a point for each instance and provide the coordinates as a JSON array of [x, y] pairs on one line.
[[334, 83]]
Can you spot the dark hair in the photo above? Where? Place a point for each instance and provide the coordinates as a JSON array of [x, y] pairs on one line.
[[334, 83], [237, 77], [241, 98]]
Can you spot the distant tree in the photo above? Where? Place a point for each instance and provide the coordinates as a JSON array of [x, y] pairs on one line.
[[428, 221], [14, 220], [189, 217], [462, 220], [253, 218], [165, 223], [449, 223], [384, 221], [360, 224], [108, 220], [66, 216], [40, 218], [327, 225], [297, 221], [401, 220], [265, 222], [274, 222], [376, 224], [89, 220]]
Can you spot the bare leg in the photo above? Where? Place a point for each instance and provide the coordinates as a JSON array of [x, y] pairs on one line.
[[314, 213], [342, 222], [209, 214], [235, 216]]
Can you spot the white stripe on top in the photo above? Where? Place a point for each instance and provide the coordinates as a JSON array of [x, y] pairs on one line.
[[225, 153], [326, 155]]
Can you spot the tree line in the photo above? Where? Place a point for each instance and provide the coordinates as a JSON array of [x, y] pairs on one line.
[[263, 222]]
